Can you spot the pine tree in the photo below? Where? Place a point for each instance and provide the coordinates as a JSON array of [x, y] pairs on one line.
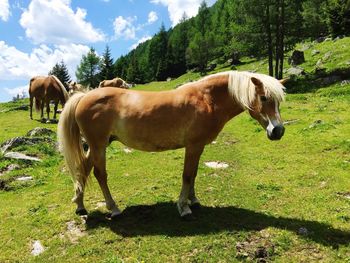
[[87, 72], [178, 43], [157, 56], [61, 72], [107, 68], [201, 47]]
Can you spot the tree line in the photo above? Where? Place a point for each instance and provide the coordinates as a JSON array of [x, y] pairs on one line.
[[224, 32]]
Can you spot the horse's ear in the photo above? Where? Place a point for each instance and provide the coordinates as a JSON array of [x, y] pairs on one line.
[[259, 87], [283, 81]]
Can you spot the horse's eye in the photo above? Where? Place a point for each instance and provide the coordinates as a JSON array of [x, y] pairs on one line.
[[263, 98]]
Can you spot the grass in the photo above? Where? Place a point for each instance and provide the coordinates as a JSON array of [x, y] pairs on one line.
[[286, 200]]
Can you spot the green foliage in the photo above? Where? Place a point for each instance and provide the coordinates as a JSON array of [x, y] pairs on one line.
[[107, 70], [339, 17], [88, 71], [61, 72]]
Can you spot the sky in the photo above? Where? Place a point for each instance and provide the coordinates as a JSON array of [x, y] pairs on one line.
[[37, 34]]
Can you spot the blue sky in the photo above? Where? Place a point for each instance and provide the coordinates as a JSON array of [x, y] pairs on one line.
[[36, 34]]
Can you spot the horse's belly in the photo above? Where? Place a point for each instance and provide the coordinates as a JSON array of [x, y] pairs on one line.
[[151, 139], [151, 143]]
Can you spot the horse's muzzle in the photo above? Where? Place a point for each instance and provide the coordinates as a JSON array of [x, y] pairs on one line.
[[276, 133]]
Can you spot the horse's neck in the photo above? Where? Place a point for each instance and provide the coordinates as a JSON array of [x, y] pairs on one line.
[[222, 100]]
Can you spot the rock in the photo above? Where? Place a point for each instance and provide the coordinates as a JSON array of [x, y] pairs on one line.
[[38, 131], [24, 178], [21, 156], [9, 168], [328, 39], [330, 80], [338, 38], [211, 66], [217, 165], [168, 79], [127, 150], [327, 56], [320, 39], [303, 231], [345, 82], [305, 47], [37, 248], [261, 252], [315, 52], [319, 64], [296, 58], [295, 71], [17, 141]]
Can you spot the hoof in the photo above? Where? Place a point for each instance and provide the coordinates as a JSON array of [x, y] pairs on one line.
[[116, 214], [195, 206], [81, 212]]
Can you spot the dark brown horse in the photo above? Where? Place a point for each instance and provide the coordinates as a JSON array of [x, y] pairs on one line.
[[190, 116], [46, 89]]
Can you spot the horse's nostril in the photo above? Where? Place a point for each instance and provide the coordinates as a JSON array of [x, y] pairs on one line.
[[278, 131]]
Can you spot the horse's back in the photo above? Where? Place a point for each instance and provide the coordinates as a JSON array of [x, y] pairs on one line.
[[150, 121]]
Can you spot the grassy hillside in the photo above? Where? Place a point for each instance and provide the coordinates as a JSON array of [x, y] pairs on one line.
[[283, 201]]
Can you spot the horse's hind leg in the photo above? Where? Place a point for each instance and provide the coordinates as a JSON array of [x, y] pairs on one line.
[[31, 106], [55, 110], [48, 110], [192, 155], [99, 162], [80, 187], [42, 109]]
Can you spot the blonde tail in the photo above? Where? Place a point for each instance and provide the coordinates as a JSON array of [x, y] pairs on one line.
[[71, 146]]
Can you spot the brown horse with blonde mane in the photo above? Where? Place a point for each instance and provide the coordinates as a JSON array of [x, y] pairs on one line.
[[45, 89], [116, 82], [191, 117]]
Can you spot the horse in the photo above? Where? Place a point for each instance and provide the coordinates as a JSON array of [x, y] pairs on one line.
[[74, 87], [189, 117], [45, 89], [116, 82]]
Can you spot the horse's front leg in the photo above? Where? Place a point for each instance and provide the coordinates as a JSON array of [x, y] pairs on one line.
[[192, 155]]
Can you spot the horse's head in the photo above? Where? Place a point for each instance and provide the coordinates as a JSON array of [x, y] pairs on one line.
[[265, 109]]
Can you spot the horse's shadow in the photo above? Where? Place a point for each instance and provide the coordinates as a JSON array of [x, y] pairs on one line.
[[163, 219]]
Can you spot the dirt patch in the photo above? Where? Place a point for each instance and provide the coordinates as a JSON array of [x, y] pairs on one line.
[[257, 247], [74, 231]]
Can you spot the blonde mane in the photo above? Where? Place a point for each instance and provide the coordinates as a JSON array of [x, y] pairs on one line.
[[243, 90]]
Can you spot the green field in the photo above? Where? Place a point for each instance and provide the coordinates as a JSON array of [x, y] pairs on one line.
[[283, 201]]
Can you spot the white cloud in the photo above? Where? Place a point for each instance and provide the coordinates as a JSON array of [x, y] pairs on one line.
[[54, 22], [124, 28], [22, 91], [4, 10], [143, 39], [176, 8], [17, 65], [152, 17]]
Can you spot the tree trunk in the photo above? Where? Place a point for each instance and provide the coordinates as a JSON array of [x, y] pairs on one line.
[[281, 44], [269, 36], [278, 30]]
